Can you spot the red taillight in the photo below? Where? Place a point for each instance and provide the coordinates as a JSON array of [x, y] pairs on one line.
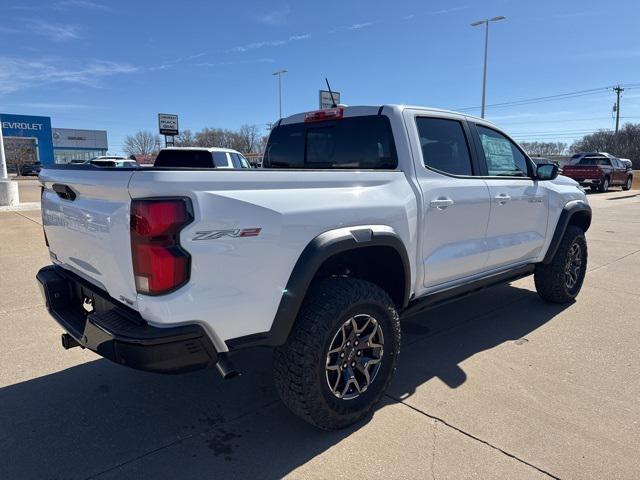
[[321, 115], [160, 264]]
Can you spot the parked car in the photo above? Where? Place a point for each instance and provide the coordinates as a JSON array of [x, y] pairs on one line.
[[627, 163], [30, 169], [198, 157], [599, 171], [359, 215]]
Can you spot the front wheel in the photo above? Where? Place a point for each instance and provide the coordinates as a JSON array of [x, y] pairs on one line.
[[560, 280], [628, 183], [341, 353]]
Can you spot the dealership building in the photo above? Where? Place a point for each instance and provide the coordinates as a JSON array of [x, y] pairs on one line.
[[29, 139]]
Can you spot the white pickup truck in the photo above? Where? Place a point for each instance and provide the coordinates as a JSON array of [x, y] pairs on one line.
[[361, 214]]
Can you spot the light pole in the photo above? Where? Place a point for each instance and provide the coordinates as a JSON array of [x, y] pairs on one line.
[[486, 46], [279, 73]]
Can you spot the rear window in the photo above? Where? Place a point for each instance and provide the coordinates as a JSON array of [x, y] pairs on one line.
[[594, 161], [184, 159], [358, 142]]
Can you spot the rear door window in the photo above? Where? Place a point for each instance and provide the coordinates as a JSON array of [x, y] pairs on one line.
[[357, 142], [444, 145]]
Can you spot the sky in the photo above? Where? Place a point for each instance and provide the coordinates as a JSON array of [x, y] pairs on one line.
[[114, 65]]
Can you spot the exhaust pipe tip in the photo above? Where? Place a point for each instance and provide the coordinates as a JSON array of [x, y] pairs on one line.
[[225, 368]]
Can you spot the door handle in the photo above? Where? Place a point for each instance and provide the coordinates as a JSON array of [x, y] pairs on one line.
[[441, 203], [502, 198]]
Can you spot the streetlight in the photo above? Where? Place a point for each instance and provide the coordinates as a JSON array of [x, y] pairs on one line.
[[279, 73], [486, 43]]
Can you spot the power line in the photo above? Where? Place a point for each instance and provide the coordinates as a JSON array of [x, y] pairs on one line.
[[559, 96], [550, 98], [564, 120]]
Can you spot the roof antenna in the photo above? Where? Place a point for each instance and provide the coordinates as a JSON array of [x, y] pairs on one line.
[[333, 101]]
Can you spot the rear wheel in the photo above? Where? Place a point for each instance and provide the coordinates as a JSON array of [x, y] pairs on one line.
[[604, 185], [560, 280], [341, 353], [628, 183]]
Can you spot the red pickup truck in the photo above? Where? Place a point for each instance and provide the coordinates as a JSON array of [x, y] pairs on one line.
[[599, 171]]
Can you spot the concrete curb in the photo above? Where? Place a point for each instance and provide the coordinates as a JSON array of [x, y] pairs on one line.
[[21, 207]]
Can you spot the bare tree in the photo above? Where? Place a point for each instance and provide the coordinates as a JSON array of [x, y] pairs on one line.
[[249, 136], [247, 139], [212, 137], [19, 153], [142, 143], [263, 143], [185, 139], [544, 148]]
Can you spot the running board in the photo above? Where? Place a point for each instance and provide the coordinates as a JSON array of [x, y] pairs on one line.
[[455, 293]]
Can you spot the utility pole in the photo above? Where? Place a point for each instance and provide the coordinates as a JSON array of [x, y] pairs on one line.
[[486, 48], [279, 74], [618, 91]]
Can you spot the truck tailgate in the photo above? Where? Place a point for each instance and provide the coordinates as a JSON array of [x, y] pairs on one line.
[[582, 171], [85, 215]]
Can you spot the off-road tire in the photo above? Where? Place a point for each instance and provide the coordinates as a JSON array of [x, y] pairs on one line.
[[604, 185], [627, 184], [550, 278], [299, 365]]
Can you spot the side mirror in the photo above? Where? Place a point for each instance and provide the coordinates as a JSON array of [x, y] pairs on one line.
[[547, 171]]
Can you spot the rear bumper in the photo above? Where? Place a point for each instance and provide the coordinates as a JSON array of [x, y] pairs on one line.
[[119, 333], [589, 181], [585, 181]]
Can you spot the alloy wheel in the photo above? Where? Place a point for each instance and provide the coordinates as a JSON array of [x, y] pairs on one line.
[[354, 357], [573, 266]]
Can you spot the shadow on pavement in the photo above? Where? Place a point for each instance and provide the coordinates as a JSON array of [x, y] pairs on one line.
[[442, 350], [102, 418]]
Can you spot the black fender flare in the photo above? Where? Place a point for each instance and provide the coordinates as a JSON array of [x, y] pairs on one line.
[[320, 249], [568, 212]]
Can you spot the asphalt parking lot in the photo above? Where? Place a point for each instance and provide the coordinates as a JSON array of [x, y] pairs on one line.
[[498, 385]]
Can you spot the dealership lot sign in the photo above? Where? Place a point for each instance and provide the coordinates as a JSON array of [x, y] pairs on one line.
[[325, 99], [168, 124]]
